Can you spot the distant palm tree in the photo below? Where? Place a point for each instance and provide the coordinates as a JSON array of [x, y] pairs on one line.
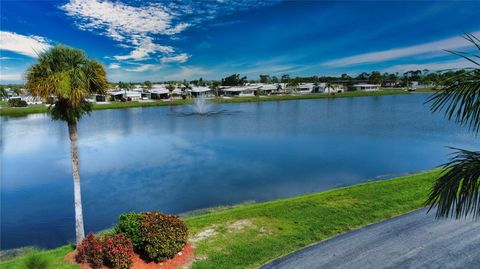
[[215, 87], [170, 87], [329, 85], [293, 85], [70, 77], [125, 86], [457, 191], [148, 85]]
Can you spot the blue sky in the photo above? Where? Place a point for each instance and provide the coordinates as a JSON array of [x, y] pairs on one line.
[[176, 40]]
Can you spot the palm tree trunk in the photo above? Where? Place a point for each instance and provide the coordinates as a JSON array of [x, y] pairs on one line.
[[79, 230]]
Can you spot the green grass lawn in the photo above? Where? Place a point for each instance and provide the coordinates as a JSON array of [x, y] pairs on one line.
[[22, 111], [250, 235]]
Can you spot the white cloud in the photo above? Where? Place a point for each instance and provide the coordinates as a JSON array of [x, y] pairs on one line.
[[144, 67], [435, 66], [141, 25], [180, 58], [144, 48], [120, 20], [114, 66], [22, 44], [270, 69], [453, 43], [128, 24], [10, 76], [187, 73], [177, 29]]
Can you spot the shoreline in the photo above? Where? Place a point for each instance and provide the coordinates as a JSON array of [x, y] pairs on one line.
[[267, 230], [6, 111]]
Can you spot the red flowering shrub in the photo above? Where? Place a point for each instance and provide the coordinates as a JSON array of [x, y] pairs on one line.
[[118, 251], [90, 251], [113, 251], [163, 235]]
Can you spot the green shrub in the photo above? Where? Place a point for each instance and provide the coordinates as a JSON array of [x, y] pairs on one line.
[[163, 235], [129, 225], [90, 251], [118, 251], [17, 102], [36, 260]]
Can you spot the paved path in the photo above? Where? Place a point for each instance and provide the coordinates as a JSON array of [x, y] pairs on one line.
[[414, 240]]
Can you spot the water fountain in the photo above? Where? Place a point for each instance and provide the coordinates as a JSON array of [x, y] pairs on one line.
[[201, 105]]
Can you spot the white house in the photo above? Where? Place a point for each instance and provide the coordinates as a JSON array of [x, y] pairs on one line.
[[366, 87], [199, 90], [282, 87], [137, 88], [333, 88], [31, 100], [248, 90], [268, 89], [239, 91], [127, 95], [97, 98], [159, 93], [305, 87]]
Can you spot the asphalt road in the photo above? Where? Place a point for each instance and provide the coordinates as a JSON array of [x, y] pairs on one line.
[[414, 240]]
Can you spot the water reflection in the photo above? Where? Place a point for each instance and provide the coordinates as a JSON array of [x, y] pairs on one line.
[[150, 159]]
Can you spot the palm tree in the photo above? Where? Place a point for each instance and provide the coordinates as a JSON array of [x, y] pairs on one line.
[[170, 87], [329, 87], [70, 77], [148, 84], [457, 191], [216, 88], [125, 86], [293, 85]]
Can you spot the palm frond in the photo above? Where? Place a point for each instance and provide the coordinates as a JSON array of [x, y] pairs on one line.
[[472, 39], [457, 191], [465, 55], [460, 99], [70, 76]]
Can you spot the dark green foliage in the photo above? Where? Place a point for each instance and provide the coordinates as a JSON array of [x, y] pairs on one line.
[[375, 78], [460, 99], [64, 111], [129, 225], [155, 236], [457, 191], [35, 260], [118, 251], [90, 251], [163, 235], [17, 102], [234, 80], [69, 76], [124, 85]]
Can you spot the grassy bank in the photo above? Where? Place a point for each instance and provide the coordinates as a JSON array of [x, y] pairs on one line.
[[248, 236], [22, 111]]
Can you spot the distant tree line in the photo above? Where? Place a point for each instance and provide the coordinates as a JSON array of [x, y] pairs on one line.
[[385, 79]]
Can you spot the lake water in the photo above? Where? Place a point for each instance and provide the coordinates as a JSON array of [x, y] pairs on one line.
[[160, 159]]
